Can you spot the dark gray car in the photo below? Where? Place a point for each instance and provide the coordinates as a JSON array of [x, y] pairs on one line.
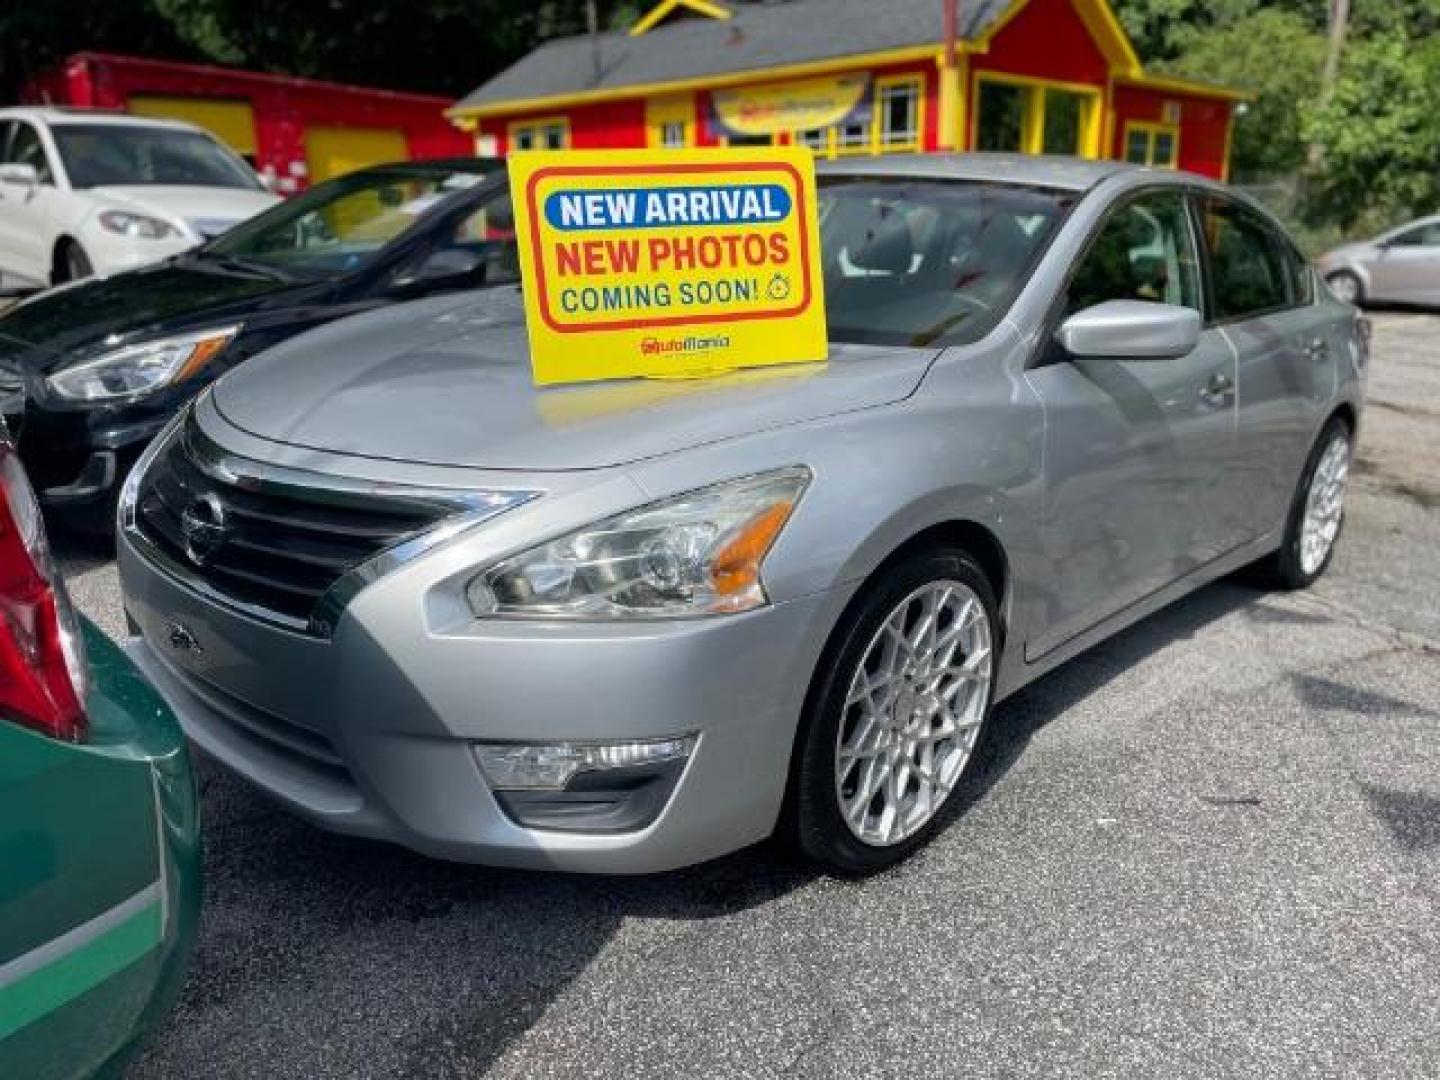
[[629, 626]]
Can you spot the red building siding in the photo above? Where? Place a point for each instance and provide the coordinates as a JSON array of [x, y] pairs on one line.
[[284, 108], [1203, 123], [1046, 40]]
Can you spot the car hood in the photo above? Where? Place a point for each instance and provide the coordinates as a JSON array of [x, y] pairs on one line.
[[447, 382], [207, 210], [66, 324]]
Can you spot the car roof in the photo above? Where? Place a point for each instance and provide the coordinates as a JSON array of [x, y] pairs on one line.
[[58, 116], [1039, 170]]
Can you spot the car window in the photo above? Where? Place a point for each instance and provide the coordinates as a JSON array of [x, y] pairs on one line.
[[1424, 236], [25, 148], [340, 224], [1248, 264], [922, 262], [481, 245], [96, 155], [1145, 251]]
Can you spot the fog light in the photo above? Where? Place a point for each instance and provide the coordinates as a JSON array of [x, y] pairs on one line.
[[585, 787], [551, 766]]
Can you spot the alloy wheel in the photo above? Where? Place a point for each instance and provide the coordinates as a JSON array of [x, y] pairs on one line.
[[913, 711], [1324, 504]]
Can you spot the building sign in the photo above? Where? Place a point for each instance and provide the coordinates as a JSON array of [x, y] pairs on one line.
[[668, 263], [791, 106]]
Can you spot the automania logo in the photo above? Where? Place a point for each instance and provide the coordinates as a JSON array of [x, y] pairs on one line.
[[653, 346]]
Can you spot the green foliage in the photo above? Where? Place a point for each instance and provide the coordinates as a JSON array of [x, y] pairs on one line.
[[1378, 137], [36, 34], [1165, 30], [1277, 56], [1375, 147], [442, 46]]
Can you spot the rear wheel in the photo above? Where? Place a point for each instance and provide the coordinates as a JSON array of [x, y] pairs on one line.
[[1347, 287], [900, 701], [71, 263], [1317, 512]]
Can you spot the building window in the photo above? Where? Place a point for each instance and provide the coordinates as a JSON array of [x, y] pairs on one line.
[[853, 137], [549, 134], [898, 103], [1031, 116], [1152, 144], [670, 121], [817, 139]]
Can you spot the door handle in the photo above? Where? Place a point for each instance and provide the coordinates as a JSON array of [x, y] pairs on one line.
[[1318, 349], [1218, 389]]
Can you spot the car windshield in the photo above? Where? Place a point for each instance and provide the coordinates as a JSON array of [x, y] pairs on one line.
[[96, 155], [929, 262], [340, 225]]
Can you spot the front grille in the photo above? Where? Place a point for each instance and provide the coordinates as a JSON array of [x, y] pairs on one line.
[[281, 547]]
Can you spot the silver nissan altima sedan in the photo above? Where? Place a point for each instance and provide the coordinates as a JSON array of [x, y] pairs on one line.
[[627, 626]]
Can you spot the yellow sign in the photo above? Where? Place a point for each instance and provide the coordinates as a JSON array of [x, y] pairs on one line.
[[668, 263], [791, 106]]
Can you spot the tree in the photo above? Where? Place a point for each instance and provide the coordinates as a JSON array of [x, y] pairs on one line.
[[1277, 56], [36, 34], [1379, 134]]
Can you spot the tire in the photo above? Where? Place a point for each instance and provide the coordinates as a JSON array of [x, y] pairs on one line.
[[1305, 555], [901, 725], [71, 263], [1347, 287]]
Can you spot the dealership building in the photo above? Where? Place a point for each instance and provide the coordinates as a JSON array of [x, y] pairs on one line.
[[855, 77]]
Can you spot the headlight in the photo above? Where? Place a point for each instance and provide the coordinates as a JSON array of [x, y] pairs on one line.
[[139, 226], [695, 554], [134, 370]]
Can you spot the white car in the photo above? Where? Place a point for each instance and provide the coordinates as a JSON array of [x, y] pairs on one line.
[[85, 192]]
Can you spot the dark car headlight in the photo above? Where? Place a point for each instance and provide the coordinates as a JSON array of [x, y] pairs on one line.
[[132, 371]]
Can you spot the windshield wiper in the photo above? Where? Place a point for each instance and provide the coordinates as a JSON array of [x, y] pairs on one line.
[[241, 266]]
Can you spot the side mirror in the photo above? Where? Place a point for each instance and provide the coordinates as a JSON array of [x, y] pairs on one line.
[[21, 175], [1131, 330], [445, 269]]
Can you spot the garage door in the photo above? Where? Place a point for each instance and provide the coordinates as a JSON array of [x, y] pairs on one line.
[[334, 151], [232, 122]]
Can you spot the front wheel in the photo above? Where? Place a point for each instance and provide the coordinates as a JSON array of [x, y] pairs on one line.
[[71, 264], [900, 701]]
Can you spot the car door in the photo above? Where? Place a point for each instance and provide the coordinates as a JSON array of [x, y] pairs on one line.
[[1263, 298], [1407, 267], [25, 209], [1136, 451]]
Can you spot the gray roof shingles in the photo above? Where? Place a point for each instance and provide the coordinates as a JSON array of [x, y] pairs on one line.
[[758, 36]]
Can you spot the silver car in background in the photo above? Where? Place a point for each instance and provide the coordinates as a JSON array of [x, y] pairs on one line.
[[624, 627], [1401, 266]]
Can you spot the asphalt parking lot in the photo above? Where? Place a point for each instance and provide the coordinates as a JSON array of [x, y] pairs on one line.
[[1209, 847]]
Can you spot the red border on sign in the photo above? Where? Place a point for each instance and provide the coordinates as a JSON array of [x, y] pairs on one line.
[[806, 292]]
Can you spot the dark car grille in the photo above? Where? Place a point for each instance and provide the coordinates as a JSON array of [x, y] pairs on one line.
[[281, 549]]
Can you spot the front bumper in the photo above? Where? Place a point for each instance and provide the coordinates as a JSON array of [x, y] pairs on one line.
[[78, 459], [371, 732]]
